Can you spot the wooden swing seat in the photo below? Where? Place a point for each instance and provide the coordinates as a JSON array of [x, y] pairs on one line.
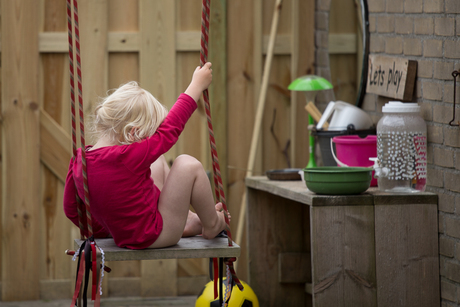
[[192, 247]]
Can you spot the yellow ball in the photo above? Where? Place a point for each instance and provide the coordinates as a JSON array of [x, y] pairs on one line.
[[245, 298]]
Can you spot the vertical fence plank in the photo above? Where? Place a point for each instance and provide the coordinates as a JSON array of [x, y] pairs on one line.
[[123, 67], [54, 264], [21, 159], [302, 63], [244, 75], [157, 58], [93, 32], [218, 89]]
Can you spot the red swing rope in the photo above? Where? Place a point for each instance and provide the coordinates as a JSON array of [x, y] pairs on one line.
[[218, 185], [85, 221], [88, 255]]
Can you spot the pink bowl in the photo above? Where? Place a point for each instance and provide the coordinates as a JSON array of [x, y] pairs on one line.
[[353, 150]]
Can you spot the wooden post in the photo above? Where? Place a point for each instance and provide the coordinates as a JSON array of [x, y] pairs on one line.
[[20, 150]]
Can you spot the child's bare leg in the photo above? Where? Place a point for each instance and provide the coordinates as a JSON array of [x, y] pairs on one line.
[[187, 183], [193, 225], [159, 172]]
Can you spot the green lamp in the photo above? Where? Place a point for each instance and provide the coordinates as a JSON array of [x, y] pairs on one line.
[[310, 84]]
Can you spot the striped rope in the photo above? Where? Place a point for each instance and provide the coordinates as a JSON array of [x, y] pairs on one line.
[[80, 105], [218, 185], [72, 81]]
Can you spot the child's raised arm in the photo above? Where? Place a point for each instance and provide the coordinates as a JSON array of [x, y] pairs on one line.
[[201, 79]]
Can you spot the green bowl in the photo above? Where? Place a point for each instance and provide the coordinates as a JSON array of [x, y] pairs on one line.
[[334, 180]]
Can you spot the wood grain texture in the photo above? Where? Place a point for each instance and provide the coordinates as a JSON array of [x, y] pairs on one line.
[[343, 256], [54, 146], [193, 247], [20, 156], [297, 191], [93, 32], [382, 252], [123, 22], [302, 63], [157, 73], [407, 264], [283, 226]]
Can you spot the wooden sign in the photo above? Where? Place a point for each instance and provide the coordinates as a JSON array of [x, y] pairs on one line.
[[391, 77]]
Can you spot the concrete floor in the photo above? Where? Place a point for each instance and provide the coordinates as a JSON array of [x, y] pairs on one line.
[[180, 301]]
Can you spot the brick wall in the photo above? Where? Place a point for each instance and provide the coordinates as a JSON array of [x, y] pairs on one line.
[[425, 31]]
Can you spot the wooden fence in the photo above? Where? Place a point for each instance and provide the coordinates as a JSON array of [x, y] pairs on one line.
[[155, 42]]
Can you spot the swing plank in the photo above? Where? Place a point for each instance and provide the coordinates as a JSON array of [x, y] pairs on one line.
[[193, 247]]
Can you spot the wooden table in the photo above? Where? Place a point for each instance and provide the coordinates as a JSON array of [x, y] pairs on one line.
[[372, 249]]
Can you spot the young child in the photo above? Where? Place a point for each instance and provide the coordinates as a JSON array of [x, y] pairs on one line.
[[134, 196]]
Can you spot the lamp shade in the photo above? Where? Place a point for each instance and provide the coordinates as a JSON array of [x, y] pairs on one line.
[[310, 83]]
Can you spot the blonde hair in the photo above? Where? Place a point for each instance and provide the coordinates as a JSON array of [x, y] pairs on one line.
[[128, 115]]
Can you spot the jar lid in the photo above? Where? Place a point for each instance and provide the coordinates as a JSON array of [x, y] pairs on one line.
[[400, 107]]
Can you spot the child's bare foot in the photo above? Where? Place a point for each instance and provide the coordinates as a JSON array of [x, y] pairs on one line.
[[219, 207], [192, 226], [217, 228]]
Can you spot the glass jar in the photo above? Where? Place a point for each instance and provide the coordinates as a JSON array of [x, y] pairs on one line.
[[401, 148]]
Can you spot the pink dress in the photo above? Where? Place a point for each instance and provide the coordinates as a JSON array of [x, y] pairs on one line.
[[123, 196]]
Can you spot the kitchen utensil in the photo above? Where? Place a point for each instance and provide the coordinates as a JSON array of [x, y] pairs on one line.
[[344, 115], [284, 174], [334, 180]]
